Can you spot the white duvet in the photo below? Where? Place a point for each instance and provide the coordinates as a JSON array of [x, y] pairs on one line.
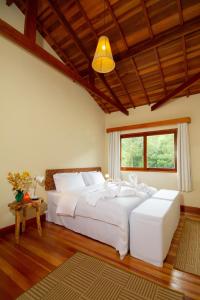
[[108, 202]]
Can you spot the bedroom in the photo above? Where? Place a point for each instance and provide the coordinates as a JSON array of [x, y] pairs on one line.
[[49, 121]]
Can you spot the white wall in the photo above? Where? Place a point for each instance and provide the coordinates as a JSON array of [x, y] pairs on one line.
[[46, 120], [181, 107]]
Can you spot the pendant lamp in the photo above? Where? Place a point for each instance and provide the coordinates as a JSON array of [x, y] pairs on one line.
[[103, 60]]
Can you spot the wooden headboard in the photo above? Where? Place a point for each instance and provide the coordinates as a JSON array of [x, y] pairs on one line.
[[49, 182]]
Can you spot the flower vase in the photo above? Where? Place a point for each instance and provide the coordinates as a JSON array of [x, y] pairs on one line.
[[19, 196]]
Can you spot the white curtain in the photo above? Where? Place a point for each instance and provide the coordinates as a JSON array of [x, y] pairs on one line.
[[183, 159], [114, 155]]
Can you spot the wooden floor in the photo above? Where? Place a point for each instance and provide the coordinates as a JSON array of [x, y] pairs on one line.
[[23, 265]]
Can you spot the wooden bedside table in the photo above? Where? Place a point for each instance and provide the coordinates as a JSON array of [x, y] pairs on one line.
[[21, 208]]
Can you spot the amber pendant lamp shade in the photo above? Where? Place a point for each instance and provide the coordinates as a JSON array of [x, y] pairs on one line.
[[103, 60]]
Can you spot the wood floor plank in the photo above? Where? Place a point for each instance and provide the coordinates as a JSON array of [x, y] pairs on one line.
[[21, 266]]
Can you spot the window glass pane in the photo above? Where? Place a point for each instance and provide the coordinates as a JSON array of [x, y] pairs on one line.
[[160, 151], [132, 152]]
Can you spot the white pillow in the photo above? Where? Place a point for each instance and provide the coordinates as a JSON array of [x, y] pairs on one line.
[[94, 177], [68, 181]]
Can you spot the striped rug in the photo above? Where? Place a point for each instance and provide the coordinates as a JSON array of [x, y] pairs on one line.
[[84, 277], [188, 254]]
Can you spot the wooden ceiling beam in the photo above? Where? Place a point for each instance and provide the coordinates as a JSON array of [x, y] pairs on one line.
[[161, 71], [30, 20], [160, 39], [78, 43], [179, 89], [18, 38], [91, 75], [180, 11], [127, 47], [140, 80], [147, 18], [155, 49], [96, 36]]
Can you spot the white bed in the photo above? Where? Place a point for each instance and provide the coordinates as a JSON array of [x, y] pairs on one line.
[[92, 209], [115, 235]]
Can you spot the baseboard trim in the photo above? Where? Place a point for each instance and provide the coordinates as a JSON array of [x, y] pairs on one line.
[[29, 222], [190, 209]]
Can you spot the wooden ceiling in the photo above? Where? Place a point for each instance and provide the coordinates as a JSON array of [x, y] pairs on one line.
[[155, 44]]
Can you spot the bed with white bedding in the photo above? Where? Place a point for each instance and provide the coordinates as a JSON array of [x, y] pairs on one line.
[[98, 209]]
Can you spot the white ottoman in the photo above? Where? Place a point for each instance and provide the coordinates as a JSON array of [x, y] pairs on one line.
[[152, 226], [174, 196]]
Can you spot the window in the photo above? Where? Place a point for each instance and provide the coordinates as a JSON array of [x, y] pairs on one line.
[[149, 151]]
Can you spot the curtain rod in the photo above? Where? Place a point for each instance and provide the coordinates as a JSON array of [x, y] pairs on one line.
[[151, 124]]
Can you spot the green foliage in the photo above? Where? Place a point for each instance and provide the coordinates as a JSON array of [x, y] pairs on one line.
[[160, 151], [132, 152]]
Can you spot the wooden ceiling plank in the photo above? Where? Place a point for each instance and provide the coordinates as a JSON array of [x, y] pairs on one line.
[[160, 39], [126, 46], [18, 38], [78, 43], [179, 89], [30, 20], [155, 49]]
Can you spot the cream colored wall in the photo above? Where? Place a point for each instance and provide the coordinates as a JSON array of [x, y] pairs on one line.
[[181, 107], [46, 120]]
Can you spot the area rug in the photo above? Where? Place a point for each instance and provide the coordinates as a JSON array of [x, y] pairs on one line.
[[188, 254], [87, 278]]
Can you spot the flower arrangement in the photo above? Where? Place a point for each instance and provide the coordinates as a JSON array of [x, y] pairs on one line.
[[20, 183]]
